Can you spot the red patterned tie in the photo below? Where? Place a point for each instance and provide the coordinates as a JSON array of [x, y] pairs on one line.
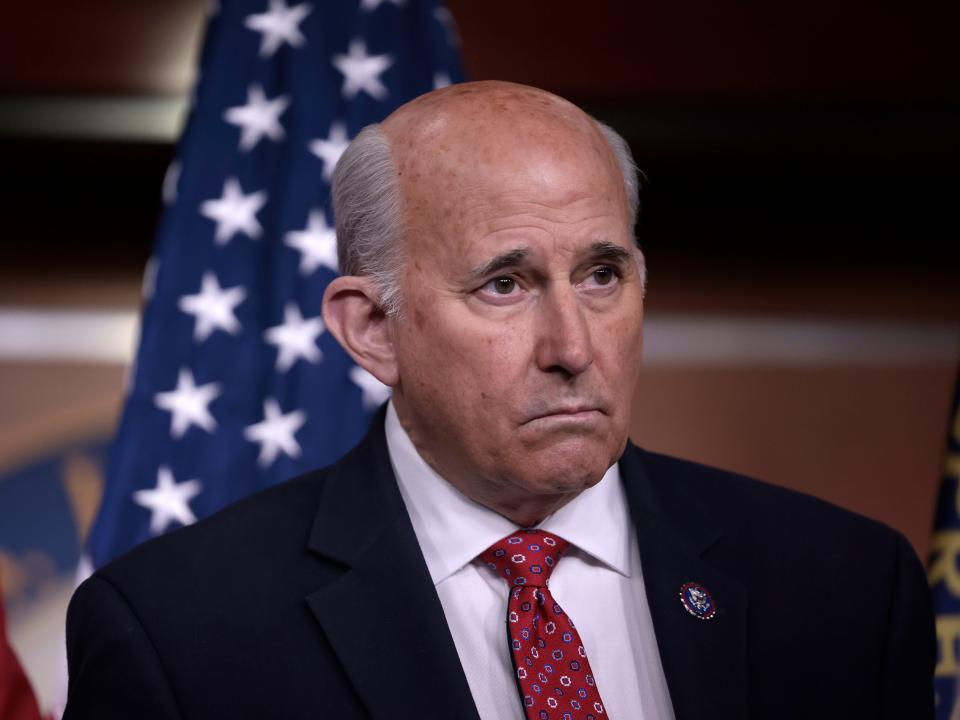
[[553, 675]]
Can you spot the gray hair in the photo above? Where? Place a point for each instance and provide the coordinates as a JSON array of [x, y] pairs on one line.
[[369, 217], [631, 186]]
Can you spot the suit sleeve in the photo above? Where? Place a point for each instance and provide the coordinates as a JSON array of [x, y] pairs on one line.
[[114, 668], [911, 642]]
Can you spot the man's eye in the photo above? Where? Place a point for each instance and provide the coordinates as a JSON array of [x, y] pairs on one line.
[[603, 275], [503, 285]]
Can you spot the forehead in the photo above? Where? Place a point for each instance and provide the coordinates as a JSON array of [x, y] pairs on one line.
[[473, 132], [536, 208], [493, 154]]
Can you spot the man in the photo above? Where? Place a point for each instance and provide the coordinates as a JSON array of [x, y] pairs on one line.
[[491, 279]]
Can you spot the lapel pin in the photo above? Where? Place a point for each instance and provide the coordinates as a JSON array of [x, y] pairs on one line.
[[697, 601]]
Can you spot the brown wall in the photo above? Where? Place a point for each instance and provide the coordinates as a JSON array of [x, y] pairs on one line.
[[870, 439], [724, 51]]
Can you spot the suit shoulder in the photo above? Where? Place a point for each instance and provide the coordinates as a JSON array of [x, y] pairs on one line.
[[249, 531], [745, 504], [770, 537]]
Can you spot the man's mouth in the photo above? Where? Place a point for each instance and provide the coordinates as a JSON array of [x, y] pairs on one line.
[[568, 412]]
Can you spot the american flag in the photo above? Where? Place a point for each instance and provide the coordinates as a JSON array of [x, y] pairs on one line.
[[237, 385], [944, 573]]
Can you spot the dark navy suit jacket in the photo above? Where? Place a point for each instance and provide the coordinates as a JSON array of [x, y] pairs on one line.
[[312, 600]]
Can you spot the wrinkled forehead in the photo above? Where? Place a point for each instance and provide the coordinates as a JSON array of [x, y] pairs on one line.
[[481, 135]]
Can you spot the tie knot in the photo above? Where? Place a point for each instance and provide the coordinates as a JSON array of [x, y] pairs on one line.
[[525, 557]]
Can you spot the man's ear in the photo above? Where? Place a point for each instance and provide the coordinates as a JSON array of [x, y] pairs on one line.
[[354, 317]]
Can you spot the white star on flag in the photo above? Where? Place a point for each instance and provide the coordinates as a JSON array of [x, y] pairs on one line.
[[331, 149], [362, 71], [188, 404], [169, 501], [149, 283], [275, 433], [235, 212], [171, 179], [296, 338], [317, 243], [258, 118], [371, 5], [213, 307], [280, 24], [445, 18], [441, 80], [375, 393]]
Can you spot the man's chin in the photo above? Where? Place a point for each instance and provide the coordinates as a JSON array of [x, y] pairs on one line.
[[582, 443], [566, 470]]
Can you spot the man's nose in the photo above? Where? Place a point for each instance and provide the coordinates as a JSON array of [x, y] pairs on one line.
[[563, 335]]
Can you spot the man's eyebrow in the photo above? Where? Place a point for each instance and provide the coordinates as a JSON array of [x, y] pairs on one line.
[[611, 252], [501, 262], [599, 251]]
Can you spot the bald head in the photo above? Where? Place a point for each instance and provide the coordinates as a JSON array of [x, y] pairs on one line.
[[417, 167], [474, 124], [444, 143]]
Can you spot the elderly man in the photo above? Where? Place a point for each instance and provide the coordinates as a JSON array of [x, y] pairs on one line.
[[495, 548]]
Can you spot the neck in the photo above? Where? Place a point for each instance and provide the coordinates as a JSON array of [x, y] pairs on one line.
[[528, 512]]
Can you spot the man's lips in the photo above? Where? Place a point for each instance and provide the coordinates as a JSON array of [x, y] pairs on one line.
[[572, 412]]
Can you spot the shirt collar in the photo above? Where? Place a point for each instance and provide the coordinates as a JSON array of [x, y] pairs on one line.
[[452, 529]]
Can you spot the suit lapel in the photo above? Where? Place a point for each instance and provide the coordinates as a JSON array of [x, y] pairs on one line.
[[382, 616], [704, 660]]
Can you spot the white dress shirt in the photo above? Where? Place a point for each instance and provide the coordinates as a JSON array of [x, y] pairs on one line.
[[598, 583]]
